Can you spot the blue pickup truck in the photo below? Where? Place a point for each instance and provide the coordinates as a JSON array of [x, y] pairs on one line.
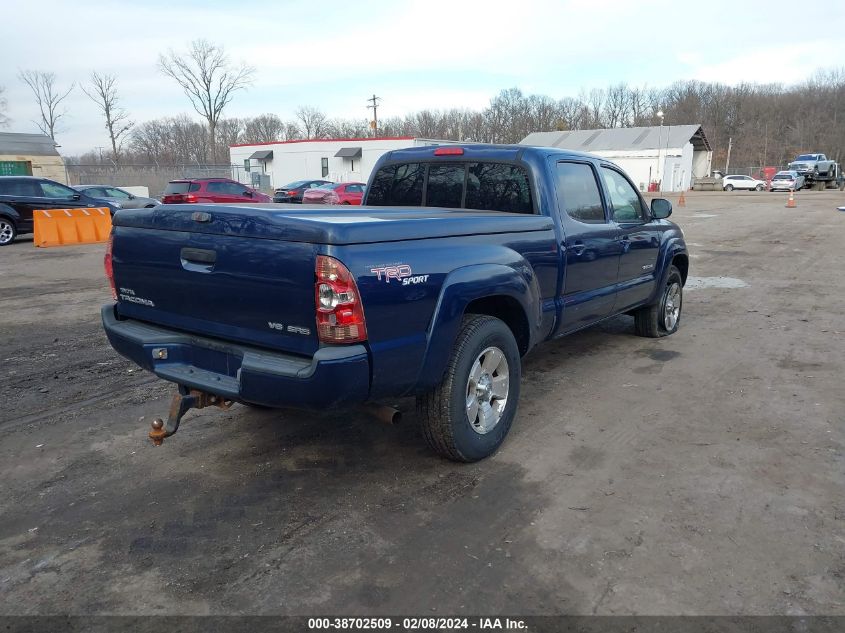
[[460, 261]]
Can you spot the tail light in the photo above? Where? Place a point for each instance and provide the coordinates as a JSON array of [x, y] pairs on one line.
[[190, 198], [340, 313], [107, 264]]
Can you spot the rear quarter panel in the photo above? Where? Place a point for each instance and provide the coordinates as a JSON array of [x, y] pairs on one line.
[[413, 315]]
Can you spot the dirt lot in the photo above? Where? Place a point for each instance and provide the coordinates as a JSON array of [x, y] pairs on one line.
[[699, 474]]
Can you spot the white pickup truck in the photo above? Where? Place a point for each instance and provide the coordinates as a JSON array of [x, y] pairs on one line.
[[814, 166]]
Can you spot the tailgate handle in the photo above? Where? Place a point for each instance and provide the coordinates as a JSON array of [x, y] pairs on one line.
[[198, 255]]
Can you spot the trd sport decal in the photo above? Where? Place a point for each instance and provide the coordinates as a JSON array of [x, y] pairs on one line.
[[401, 273]]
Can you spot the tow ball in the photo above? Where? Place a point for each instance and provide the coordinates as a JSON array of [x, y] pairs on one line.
[[184, 400]]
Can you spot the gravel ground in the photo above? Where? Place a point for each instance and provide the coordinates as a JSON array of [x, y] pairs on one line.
[[698, 474]]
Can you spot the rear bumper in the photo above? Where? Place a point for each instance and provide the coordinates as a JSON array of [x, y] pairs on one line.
[[334, 376]]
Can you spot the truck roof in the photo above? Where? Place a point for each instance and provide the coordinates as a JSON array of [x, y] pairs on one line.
[[480, 151]]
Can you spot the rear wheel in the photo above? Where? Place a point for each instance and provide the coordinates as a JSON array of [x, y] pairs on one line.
[[663, 316], [760, 187], [467, 416], [729, 187], [8, 231]]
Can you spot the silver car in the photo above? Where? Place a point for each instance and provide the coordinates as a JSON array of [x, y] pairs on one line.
[[786, 181], [120, 198]]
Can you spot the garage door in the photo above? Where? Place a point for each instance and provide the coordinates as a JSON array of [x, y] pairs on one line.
[[15, 168]]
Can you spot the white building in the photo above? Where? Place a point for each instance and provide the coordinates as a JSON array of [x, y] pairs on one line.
[[671, 156], [270, 165]]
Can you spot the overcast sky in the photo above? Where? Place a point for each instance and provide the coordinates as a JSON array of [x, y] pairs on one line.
[[413, 54]]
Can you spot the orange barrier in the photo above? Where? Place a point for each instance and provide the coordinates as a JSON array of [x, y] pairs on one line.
[[790, 202], [682, 202], [57, 227]]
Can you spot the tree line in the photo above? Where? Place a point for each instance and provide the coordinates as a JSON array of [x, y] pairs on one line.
[[765, 124]]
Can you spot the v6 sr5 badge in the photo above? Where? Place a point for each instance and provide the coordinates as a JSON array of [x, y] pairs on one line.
[[399, 272]]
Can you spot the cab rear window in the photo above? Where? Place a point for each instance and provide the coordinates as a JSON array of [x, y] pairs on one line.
[[457, 185]]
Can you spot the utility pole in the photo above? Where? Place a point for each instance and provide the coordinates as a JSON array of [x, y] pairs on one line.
[[728, 161], [374, 107]]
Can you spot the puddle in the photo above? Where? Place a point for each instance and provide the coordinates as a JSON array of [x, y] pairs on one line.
[[698, 283]]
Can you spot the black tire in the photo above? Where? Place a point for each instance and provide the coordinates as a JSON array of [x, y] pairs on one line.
[[150, 206], [443, 411], [760, 187], [344, 202], [651, 321], [729, 187], [8, 231]]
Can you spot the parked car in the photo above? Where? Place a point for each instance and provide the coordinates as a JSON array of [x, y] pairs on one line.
[[223, 190], [118, 197], [293, 192], [21, 195], [335, 193], [465, 258], [786, 181], [729, 183]]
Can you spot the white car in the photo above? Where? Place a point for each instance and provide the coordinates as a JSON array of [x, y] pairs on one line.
[[729, 183], [787, 180]]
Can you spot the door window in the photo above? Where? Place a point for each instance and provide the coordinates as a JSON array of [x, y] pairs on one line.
[[55, 190], [117, 193], [624, 199], [578, 193]]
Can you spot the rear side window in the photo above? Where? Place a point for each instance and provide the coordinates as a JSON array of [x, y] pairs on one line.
[[578, 193], [445, 185], [498, 187], [176, 187], [398, 185], [13, 187]]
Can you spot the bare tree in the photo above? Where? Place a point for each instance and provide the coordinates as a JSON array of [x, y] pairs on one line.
[[314, 122], [263, 129], [4, 120], [208, 79], [49, 98], [103, 92], [231, 132]]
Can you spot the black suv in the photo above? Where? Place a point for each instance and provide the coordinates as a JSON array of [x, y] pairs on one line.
[[21, 195]]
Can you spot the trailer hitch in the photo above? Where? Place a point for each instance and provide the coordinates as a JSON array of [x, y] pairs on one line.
[[183, 400]]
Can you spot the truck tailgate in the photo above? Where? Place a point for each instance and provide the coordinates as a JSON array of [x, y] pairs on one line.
[[236, 287]]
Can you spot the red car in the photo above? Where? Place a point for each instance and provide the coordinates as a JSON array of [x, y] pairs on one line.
[[210, 190], [335, 193]]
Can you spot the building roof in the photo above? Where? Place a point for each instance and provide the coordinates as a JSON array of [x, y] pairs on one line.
[[622, 138], [327, 140], [27, 144]]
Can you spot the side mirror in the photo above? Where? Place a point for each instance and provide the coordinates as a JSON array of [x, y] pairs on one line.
[[661, 208], [248, 194], [131, 196]]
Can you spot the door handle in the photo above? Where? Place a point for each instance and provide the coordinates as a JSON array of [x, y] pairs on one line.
[[198, 255], [578, 248]]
